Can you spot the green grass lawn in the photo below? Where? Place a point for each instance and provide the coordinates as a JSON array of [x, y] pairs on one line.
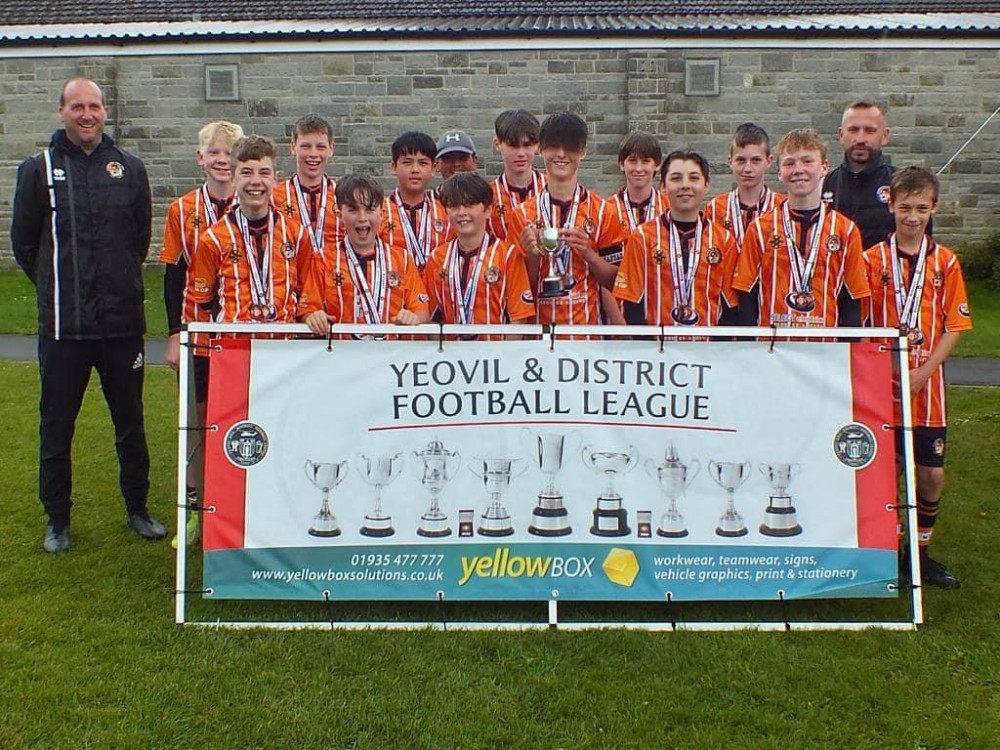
[[90, 657]]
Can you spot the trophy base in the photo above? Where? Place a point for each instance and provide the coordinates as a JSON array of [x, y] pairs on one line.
[[434, 523], [610, 519], [324, 533], [377, 526], [484, 531], [549, 518], [495, 522], [731, 533], [778, 531], [780, 518], [432, 533], [672, 534]]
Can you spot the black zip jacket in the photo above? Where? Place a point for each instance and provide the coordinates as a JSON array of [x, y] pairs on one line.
[[863, 197], [88, 276]]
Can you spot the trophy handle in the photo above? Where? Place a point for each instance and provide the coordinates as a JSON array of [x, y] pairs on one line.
[[454, 463], [524, 468], [693, 468], [650, 465], [747, 470], [307, 467], [472, 468], [794, 470], [763, 469], [584, 450], [633, 459]]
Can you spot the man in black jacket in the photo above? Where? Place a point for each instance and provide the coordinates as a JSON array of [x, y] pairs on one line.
[[859, 188], [81, 231]]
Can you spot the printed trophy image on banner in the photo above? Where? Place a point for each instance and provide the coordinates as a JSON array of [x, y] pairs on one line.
[[729, 476], [378, 471], [673, 477], [436, 467], [496, 474], [550, 517], [325, 476], [610, 518], [780, 516]]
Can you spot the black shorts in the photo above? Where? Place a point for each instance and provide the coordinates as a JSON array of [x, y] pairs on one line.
[[200, 379], [928, 445]]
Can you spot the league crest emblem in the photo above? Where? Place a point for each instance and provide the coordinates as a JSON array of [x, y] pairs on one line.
[[393, 279], [854, 445], [492, 275], [246, 444], [115, 170], [714, 256], [883, 194], [833, 244]]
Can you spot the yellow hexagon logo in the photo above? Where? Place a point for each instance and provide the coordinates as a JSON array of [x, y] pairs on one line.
[[621, 566]]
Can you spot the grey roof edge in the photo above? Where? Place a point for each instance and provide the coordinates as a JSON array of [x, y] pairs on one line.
[[911, 24]]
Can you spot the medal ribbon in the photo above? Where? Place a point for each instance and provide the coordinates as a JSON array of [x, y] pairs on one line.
[[416, 243], [369, 300], [735, 213], [512, 196], [651, 212], [261, 278], [908, 300], [802, 269], [562, 254], [313, 228], [465, 296], [683, 281]]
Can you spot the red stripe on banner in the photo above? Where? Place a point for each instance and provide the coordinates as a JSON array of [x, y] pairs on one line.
[[225, 483], [875, 484]]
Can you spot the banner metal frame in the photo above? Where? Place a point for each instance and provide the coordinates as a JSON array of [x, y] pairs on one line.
[[766, 336]]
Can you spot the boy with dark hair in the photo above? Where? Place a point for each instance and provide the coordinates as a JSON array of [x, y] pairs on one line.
[[917, 285], [590, 236], [476, 278], [749, 158], [805, 256], [517, 143], [366, 280], [187, 218], [456, 152], [254, 259], [413, 219], [639, 201], [680, 265]]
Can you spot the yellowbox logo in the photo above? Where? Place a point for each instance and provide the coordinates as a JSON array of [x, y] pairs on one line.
[[502, 564], [621, 566]]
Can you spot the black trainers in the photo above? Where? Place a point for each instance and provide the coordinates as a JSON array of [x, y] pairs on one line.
[[56, 539], [146, 526], [934, 573]]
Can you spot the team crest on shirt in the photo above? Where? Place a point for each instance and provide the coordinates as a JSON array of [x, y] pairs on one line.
[[854, 445], [883, 194], [234, 255], [937, 280], [393, 279], [287, 250], [588, 226], [492, 275], [423, 298], [833, 244], [658, 257], [338, 278], [115, 170], [528, 297], [714, 256], [438, 226], [727, 223], [963, 310], [776, 241]]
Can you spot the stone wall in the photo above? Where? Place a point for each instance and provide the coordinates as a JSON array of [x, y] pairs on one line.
[[935, 100]]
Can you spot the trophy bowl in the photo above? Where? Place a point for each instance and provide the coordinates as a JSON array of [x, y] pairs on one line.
[[378, 471], [496, 474], [436, 467], [780, 516], [610, 518], [324, 476], [550, 517], [673, 477], [729, 476]]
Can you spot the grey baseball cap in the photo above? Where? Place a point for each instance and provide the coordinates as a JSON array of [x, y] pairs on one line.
[[455, 141]]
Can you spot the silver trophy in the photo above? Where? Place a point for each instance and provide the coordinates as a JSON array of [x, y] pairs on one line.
[[558, 282], [496, 474], [549, 518], [730, 475], [610, 518], [438, 467], [673, 477], [780, 516], [379, 471], [325, 476]]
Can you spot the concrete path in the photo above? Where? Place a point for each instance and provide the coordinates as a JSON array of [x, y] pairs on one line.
[[958, 371]]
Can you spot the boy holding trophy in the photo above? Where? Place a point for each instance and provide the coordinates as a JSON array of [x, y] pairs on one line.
[[917, 285]]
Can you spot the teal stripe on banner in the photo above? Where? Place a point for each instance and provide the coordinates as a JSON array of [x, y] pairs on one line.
[[576, 572]]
